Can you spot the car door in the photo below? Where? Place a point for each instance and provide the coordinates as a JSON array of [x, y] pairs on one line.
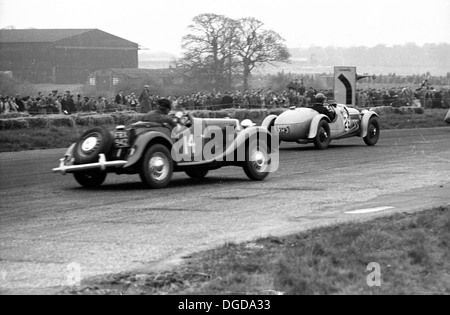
[[189, 141]]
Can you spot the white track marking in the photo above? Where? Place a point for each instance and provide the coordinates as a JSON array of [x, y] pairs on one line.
[[371, 210]]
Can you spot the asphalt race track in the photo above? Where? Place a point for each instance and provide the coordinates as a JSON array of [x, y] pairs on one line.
[[47, 221]]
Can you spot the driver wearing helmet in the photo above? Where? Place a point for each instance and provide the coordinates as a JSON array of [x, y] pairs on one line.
[[320, 108], [161, 114]]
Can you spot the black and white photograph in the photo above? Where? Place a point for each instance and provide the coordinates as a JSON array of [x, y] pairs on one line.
[[241, 149]]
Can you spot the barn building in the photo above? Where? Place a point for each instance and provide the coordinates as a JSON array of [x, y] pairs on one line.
[[63, 56]]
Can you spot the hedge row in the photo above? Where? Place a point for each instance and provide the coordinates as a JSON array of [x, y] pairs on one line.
[[14, 115], [127, 118], [121, 118], [37, 122], [256, 115], [383, 110]]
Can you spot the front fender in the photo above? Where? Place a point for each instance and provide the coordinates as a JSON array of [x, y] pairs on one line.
[[365, 123], [142, 142], [315, 125], [69, 152], [269, 121]]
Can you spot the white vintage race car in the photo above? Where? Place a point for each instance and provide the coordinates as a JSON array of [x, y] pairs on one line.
[[305, 125]]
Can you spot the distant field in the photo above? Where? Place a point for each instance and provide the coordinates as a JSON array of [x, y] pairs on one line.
[[297, 67]]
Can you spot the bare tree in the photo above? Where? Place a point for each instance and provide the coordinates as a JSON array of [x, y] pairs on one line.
[[257, 46], [209, 47], [217, 47]]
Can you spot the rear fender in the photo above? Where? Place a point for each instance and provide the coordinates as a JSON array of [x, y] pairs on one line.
[[239, 143], [269, 122], [141, 143], [315, 125], [365, 122]]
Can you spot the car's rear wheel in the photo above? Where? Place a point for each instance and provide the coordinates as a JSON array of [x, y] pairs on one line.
[[322, 139], [157, 167], [90, 179], [257, 160], [197, 173], [373, 132], [93, 142]]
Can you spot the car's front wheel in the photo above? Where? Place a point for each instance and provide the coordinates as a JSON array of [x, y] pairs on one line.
[[157, 167], [373, 132], [257, 160], [90, 179], [322, 139], [197, 173]]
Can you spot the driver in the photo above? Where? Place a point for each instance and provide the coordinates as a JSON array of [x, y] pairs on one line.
[[320, 108], [161, 114]]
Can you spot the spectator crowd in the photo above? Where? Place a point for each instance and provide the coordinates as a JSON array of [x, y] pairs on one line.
[[295, 94]]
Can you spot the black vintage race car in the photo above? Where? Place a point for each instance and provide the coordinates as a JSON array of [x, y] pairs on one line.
[[156, 150]]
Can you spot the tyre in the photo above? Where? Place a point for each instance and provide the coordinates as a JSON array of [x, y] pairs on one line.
[[91, 144], [197, 173], [90, 179], [373, 132], [257, 160], [157, 167], [322, 139]]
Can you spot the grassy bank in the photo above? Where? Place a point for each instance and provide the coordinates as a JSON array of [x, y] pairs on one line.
[[61, 131], [430, 118], [413, 251], [39, 138]]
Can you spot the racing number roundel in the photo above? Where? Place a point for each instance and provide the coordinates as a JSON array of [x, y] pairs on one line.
[[345, 85]]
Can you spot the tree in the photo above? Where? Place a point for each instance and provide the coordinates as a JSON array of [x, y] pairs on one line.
[[209, 47], [257, 46]]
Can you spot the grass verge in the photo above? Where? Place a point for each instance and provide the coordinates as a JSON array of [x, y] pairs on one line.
[[413, 251], [39, 138], [431, 118]]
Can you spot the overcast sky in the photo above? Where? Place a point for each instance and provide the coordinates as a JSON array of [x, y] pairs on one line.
[[159, 25]]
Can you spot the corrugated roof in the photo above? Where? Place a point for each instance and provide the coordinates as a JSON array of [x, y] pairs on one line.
[[39, 36]]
